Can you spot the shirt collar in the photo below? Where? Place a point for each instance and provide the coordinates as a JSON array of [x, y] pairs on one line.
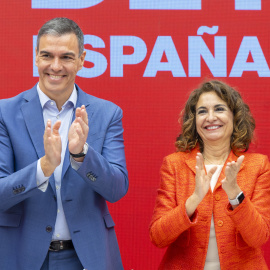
[[44, 98]]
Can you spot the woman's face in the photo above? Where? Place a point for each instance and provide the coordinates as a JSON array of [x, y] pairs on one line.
[[214, 119]]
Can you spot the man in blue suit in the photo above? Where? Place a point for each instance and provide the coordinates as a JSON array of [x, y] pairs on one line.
[[61, 158]]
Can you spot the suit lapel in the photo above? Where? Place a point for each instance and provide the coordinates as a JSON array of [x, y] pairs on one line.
[[33, 117], [83, 99], [191, 160]]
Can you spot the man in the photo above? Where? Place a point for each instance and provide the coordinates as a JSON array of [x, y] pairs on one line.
[[62, 157]]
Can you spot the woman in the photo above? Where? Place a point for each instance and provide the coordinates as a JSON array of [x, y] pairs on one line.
[[213, 206]]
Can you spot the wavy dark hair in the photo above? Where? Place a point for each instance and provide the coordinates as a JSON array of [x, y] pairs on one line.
[[243, 121]]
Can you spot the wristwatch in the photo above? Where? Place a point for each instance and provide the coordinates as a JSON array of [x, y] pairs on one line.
[[239, 198], [83, 153]]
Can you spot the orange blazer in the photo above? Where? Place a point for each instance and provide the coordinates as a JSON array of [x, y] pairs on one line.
[[240, 233]]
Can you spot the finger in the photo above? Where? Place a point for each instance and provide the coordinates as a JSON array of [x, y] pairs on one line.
[[231, 173], [47, 132], [211, 172], [77, 131], [80, 133], [78, 112], [239, 161], [232, 168], [197, 170], [56, 127], [84, 114], [49, 123], [199, 161], [228, 170], [83, 125], [198, 176]]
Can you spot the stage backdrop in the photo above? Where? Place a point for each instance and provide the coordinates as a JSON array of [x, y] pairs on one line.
[[146, 56]]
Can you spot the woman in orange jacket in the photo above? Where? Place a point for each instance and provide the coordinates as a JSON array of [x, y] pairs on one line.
[[213, 206]]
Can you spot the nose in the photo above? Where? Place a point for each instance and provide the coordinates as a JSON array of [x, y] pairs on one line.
[[211, 116], [56, 64]]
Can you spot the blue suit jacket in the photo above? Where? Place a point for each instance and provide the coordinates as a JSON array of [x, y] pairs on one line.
[[27, 215]]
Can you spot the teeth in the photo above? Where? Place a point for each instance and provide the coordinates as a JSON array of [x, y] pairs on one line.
[[55, 77], [212, 127]]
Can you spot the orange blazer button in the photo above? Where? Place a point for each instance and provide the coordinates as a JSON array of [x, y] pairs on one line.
[[220, 223]]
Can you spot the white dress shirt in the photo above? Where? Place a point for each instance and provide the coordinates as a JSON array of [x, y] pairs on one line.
[[212, 258], [50, 111]]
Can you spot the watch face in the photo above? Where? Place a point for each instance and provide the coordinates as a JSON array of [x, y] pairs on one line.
[[85, 148], [241, 197]]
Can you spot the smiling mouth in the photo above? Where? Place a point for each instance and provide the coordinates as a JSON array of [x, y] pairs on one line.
[[56, 77], [212, 127]]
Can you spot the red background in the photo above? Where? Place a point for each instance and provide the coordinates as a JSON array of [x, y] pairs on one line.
[[151, 105]]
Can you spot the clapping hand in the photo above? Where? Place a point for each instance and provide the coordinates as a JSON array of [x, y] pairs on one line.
[[78, 131], [229, 183], [52, 147], [202, 184], [202, 178]]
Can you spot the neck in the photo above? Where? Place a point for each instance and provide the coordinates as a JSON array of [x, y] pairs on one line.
[[60, 103], [216, 154], [59, 96]]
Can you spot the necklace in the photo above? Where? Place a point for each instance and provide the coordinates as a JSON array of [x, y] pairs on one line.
[[223, 161]]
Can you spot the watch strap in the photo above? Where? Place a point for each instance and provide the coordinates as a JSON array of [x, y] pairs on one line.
[[82, 154], [239, 198]]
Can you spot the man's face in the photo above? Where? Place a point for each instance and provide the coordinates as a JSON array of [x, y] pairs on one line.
[[58, 62]]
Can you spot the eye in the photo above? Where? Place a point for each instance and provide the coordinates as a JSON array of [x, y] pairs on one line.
[[220, 109], [45, 55], [67, 58], [201, 111]]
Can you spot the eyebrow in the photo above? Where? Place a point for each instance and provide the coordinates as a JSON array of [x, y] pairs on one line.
[[41, 52], [64, 54], [69, 54], [217, 105]]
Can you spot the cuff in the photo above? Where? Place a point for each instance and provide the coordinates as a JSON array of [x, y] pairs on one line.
[[42, 181], [75, 164]]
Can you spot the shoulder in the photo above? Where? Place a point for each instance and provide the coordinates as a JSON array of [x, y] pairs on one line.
[[254, 161], [97, 103], [181, 160], [255, 158], [181, 156], [15, 102], [101, 112]]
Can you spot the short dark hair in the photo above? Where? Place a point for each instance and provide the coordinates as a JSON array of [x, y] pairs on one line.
[[243, 121], [60, 26]]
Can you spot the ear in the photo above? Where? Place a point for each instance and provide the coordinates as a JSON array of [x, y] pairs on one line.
[[36, 56], [82, 57]]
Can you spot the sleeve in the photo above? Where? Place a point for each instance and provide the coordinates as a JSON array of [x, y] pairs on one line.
[[169, 220], [15, 186], [106, 171], [254, 211]]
